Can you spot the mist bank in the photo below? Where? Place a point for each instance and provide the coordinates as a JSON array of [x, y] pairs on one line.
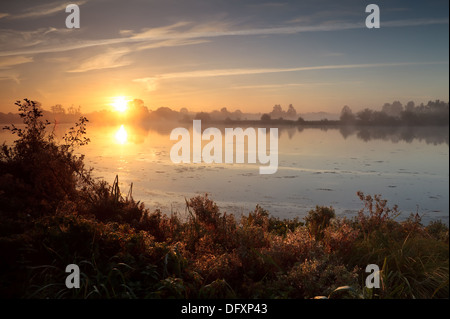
[[434, 113]]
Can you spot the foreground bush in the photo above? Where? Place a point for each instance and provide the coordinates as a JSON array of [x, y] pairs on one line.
[[193, 260]]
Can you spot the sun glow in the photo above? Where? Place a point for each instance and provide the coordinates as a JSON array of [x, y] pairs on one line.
[[121, 135], [120, 104]]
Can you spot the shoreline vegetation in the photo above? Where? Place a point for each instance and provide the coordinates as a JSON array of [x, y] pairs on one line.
[[434, 113], [53, 213]]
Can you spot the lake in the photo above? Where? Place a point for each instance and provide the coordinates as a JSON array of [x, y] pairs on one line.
[[317, 166]]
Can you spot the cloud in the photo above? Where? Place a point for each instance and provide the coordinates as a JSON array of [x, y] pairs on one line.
[[270, 86], [38, 41], [170, 32], [42, 10], [170, 43], [7, 62], [178, 31], [248, 71], [152, 82], [413, 22], [288, 85], [30, 42], [159, 32], [107, 60], [9, 75], [113, 58]]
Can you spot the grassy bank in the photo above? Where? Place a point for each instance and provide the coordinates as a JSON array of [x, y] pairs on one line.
[[52, 213]]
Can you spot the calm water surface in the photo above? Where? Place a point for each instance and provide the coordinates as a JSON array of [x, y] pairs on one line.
[[407, 166]]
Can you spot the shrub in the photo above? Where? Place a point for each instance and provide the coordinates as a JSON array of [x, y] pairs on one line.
[[320, 276], [295, 247], [415, 269], [379, 214], [319, 219], [107, 204], [438, 230], [340, 237], [207, 229], [413, 263], [161, 226], [39, 171]]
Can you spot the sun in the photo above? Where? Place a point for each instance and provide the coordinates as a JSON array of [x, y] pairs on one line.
[[120, 104]]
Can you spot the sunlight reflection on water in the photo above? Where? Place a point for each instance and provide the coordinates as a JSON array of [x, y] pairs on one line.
[[121, 135]]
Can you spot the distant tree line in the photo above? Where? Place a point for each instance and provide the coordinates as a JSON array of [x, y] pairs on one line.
[[395, 113], [433, 113], [57, 113], [279, 114]]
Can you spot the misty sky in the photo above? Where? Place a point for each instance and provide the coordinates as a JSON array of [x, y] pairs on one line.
[[206, 54]]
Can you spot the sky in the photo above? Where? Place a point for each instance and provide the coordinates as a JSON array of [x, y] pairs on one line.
[[207, 54]]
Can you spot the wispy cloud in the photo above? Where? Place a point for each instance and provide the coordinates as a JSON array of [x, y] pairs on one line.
[[114, 58], [151, 83], [289, 85], [30, 41], [42, 10], [158, 37], [170, 43], [7, 62], [7, 75], [37, 41], [270, 86], [107, 60], [413, 22], [164, 32]]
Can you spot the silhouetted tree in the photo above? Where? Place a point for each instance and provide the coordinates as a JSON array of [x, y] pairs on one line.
[[301, 120], [347, 115], [365, 115], [265, 117], [410, 106], [237, 115], [58, 109], [137, 111], [277, 112], [291, 112], [394, 109], [164, 113], [203, 116]]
